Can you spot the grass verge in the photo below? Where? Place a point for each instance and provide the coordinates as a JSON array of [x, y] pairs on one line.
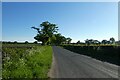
[[33, 63]]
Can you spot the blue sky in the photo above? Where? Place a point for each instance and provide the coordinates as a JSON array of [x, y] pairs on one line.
[[0, 21], [80, 21]]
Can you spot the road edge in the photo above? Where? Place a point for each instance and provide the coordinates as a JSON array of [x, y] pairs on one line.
[[51, 70]]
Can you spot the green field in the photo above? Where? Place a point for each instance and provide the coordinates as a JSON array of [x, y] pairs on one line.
[[26, 61]]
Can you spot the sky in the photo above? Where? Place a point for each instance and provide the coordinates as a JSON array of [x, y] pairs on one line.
[[77, 20], [0, 22]]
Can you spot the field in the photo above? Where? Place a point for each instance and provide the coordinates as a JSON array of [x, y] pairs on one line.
[[104, 53], [26, 60], [34, 61]]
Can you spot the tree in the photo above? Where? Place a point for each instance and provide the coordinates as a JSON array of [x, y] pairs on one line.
[[104, 42], [45, 31], [59, 39], [91, 41], [68, 40], [96, 42], [112, 40], [52, 40], [35, 42], [87, 42], [78, 42], [15, 42], [26, 42]]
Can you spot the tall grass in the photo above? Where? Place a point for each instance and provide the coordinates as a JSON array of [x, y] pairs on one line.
[[26, 63]]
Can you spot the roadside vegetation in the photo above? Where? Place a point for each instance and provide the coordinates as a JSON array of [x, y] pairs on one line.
[[104, 53], [106, 50], [33, 60], [26, 62]]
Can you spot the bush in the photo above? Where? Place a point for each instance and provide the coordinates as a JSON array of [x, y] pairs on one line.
[[104, 53], [26, 63]]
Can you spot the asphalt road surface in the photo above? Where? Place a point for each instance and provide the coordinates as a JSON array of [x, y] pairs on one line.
[[67, 64]]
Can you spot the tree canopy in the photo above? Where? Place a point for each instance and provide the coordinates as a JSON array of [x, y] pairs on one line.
[[48, 34], [45, 32]]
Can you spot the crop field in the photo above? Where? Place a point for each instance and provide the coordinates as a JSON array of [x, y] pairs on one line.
[[26, 61], [104, 53]]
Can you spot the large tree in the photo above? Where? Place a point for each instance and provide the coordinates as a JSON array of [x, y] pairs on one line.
[[46, 32]]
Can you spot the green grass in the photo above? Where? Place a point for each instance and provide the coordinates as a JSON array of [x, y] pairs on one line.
[[27, 63], [20, 45]]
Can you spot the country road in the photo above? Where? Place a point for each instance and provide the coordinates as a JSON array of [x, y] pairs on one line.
[[67, 64]]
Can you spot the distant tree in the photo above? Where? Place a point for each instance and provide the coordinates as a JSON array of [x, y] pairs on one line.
[[112, 40], [104, 42], [91, 41], [45, 32], [96, 42], [35, 42], [68, 40], [87, 42], [4, 42], [9, 42], [26, 42], [118, 42], [108, 42], [15, 42], [78, 42]]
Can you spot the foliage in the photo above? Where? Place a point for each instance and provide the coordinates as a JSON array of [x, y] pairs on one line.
[[48, 34], [68, 40], [25, 62], [26, 42], [59, 39], [35, 42], [91, 41], [104, 42], [78, 42], [112, 40], [105, 53], [45, 32]]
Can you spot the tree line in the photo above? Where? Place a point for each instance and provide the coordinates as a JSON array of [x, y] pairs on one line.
[[62, 40], [47, 34], [91, 41]]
